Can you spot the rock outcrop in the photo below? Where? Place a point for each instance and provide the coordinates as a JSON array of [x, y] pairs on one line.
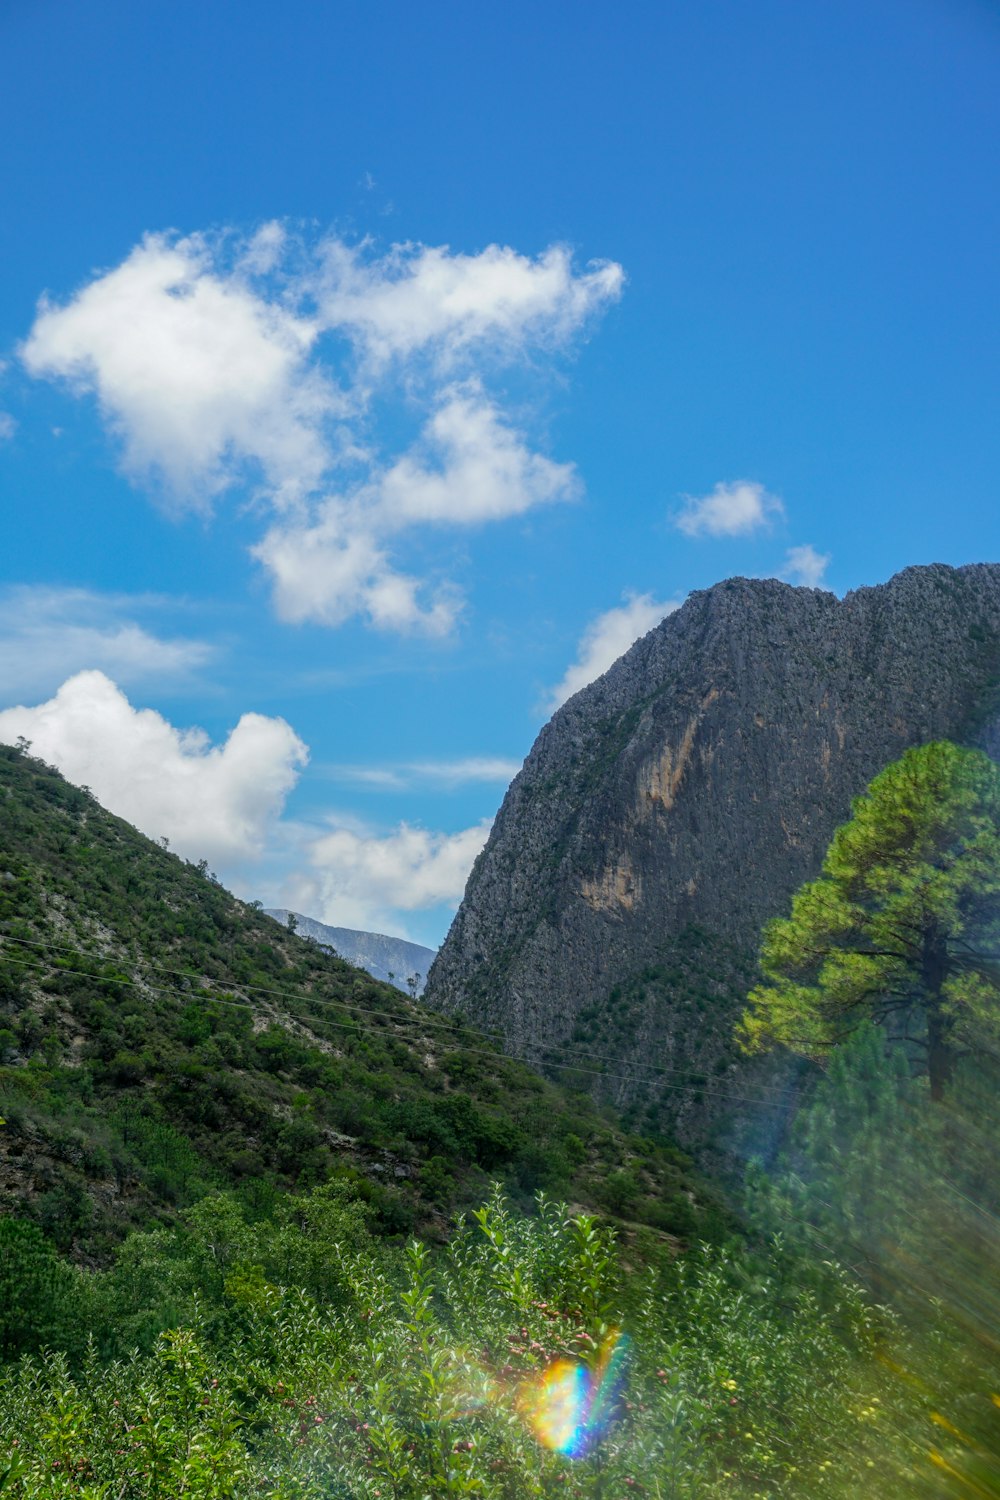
[[673, 806]]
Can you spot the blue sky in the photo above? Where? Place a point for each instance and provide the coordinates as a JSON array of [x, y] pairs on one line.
[[400, 363]]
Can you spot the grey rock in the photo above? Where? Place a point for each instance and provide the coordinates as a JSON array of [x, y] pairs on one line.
[[671, 807]]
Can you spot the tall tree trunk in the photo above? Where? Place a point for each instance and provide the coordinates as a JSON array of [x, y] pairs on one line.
[[935, 972], [938, 1052]]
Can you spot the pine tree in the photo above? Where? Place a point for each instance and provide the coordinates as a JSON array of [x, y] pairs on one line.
[[903, 923]]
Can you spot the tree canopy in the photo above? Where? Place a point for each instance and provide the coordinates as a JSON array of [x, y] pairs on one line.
[[903, 924]]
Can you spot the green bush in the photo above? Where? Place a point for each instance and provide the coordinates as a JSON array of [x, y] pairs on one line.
[[43, 1300], [309, 1361]]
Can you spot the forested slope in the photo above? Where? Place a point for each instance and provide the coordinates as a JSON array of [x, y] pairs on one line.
[[159, 1038]]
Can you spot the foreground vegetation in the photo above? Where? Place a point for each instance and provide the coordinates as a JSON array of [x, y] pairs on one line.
[[845, 1346], [311, 1361]]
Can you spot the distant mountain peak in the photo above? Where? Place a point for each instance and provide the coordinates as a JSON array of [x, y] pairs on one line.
[[391, 959]]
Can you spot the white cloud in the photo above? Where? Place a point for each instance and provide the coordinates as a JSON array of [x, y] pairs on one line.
[[214, 802], [48, 633], [805, 566], [264, 249], [735, 509], [469, 467], [336, 568], [606, 639], [364, 880], [386, 778], [8, 426], [472, 768], [420, 297], [441, 773], [224, 803], [270, 361], [196, 372]]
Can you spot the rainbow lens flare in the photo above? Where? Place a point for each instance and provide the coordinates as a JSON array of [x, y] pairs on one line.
[[571, 1405]]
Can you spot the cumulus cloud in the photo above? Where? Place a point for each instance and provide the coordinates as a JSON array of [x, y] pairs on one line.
[[424, 297], [214, 802], [46, 633], [606, 639], [468, 467], [224, 803], [805, 566], [280, 363], [197, 373], [735, 509], [364, 880], [8, 426], [335, 567]]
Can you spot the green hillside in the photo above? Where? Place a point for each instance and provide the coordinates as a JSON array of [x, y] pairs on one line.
[[160, 1039]]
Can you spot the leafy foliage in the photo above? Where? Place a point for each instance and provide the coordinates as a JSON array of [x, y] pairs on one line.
[[314, 1360], [41, 1296], [690, 998], [905, 1191], [891, 1162], [902, 924], [160, 1040]]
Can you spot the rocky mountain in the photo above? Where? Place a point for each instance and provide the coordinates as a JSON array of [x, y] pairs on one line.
[[391, 959], [671, 807]]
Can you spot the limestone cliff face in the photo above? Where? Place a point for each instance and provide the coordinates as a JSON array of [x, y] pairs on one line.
[[691, 789]]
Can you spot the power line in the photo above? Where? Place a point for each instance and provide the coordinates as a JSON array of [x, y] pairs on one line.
[[494, 1053], [425, 1024]]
